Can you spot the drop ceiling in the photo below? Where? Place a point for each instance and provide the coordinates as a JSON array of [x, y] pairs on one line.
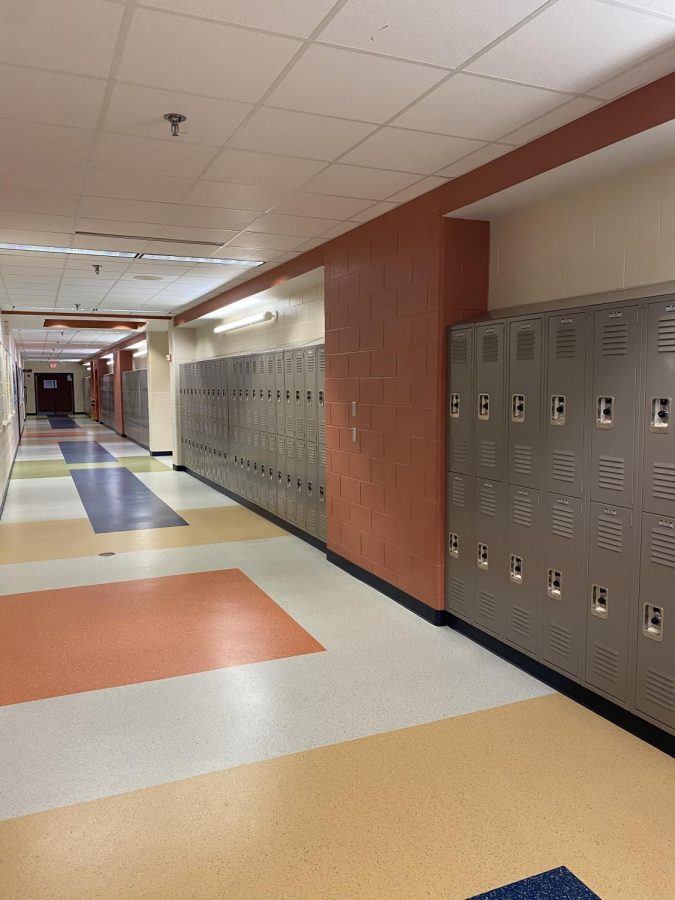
[[305, 119], [56, 344]]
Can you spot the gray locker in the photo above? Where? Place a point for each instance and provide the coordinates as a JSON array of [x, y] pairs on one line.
[[523, 402], [310, 395], [322, 499], [564, 400], [563, 582], [460, 402], [289, 399], [321, 390], [524, 559], [299, 393], [281, 487], [460, 547], [655, 677], [312, 488], [613, 405], [608, 599], [279, 393], [490, 556], [659, 428], [489, 393]]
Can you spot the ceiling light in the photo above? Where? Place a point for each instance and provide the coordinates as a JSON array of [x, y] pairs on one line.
[[141, 352], [253, 319], [137, 346], [108, 356], [216, 260], [148, 278], [33, 248]]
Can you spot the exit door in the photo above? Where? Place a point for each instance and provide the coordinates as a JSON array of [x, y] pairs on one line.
[[54, 393]]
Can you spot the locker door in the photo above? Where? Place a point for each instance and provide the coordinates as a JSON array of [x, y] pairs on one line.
[[300, 482], [613, 405], [655, 686], [524, 402], [270, 394], [524, 558], [489, 399], [460, 547], [490, 556], [608, 599], [281, 476], [659, 428], [563, 582], [279, 396], [564, 400], [461, 412], [322, 499], [321, 392], [311, 417], [288, 397], [312, 488], [299, 392]]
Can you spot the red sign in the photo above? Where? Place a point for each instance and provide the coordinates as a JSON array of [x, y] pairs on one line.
[[53, 365]]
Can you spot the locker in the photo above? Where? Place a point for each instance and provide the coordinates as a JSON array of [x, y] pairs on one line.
[[658, 428], [299, 393], [613, 405], [564, 401], [279, 394], [281, 488], [608, 599], [524, 558], [460, 399], [321, 390], [289, 398], [291, 489], [490, 556], [310, 395], [563, 582], [489, 399], [655, 679], [322, 499], [524, 402], [312, 488], [460, 545]]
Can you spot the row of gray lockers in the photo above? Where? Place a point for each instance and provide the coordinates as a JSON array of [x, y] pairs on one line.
[[86, 394], [106, 388], [135, 405], [255, 425], [561, 493]]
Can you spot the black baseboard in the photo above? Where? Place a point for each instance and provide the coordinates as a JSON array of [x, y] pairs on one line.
[[265, 513], [435, 616], [625, 719], [133, 441], [156, 452]]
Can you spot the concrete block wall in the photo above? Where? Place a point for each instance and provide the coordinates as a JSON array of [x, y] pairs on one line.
[[10, 424]]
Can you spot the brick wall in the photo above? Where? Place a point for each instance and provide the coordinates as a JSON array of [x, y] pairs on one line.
[[389, 298]]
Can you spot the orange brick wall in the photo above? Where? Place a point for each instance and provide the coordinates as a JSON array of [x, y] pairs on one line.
[[389, 299]]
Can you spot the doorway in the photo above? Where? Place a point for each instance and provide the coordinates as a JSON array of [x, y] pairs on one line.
[[54, 393]]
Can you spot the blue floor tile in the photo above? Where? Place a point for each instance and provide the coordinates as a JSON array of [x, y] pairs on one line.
[[557, 884], [85, 452], [60, 422]]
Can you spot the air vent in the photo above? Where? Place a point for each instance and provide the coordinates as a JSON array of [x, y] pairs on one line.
[[605, 663], [663, 481], [522, 511], [563, 522], [457, 593], [564, 466], [611, 473], [662, 549], [665, 339], [310, 363], [610, 534], [488, 500], [459, 451], [614, 340], [459, 349], [522, 459], [525, 345], [147, 237], [487, 454], [490, 347], [520, 621], [560, 640], [322, 362], [487, 605], [458, 493], [566, 342], [660, 688]]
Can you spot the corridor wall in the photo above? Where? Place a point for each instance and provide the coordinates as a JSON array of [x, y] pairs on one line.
[[135, 405], [107, 395]]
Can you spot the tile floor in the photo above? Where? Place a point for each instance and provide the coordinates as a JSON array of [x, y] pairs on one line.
[[216, 711]]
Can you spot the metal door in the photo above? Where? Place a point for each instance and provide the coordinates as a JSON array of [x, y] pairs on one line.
[[310, 395], [460, 402], [489, 399], [523, 402], [658, 424], [460, 547], [524, 560], [299, 392], [288, 397], [312, 488], [279, 394], [321, 392], [490, 556]]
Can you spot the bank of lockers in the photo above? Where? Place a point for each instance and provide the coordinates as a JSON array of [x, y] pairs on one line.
[[107, 400], [135, 405], [255, 425], [561, 492]]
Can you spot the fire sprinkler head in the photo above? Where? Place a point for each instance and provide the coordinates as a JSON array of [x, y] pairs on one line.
[[175, 120]]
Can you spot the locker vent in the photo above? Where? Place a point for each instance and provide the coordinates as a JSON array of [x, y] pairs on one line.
[[522, 459], [522, 511], [662, 549], [566, 342], [458, 493], [563, 522], [488, 500], [520, 621], [322, 361], [611, 473], [487, 454], [459, 350], [457, 593], [660, 688], [605, 662], [490, 348], [663, 481], [614, 340], [525, 345], [610, 534], [310, 363], [564, 465], [560, 640], [487, 605], [458, 451], [665, 339]]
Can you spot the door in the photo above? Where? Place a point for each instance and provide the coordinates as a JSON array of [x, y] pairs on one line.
[[54, 393], [523, 590], [460, 400], [489, 388], [524, 402], [460, 562], [659, 431]]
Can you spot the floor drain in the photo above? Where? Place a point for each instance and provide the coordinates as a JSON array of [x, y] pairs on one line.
[[107, 553]]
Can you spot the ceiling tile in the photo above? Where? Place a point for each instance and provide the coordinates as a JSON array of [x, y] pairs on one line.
[[38, 202], [663, 7], [239, 166], [234, 196], [49, 143], [211, 217], [329, 81], [202, 57], [417, 189], [322, 205], [474, 107], [302, 226], [71, 36], [140, 111], [372, 212], [298, 18], [251, 240], [554, 119], [232, 252], [114, 226], [355, 181], [206, 235], [411, 151], [633, 78], [34, 176], [125, 210], [299, 134], [178, 249], [574, 50], [35, 96], [135, 186], [118, 151], [485, 155]]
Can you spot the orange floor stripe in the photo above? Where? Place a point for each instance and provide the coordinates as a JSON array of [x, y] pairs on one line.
[[86, 638]]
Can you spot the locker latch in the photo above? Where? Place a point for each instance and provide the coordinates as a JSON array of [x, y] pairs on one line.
[[288, 396], [269, 395], [652, 622], [518, 408], [660, 414], [558, 408], [280, 476], [600, 601], [310, 489], [299, 485], [605, 413], [516, 569], [322, 493], [482, 559], [262, 471], [247, 393], [554, 584], [483, 407], [288, 481], [454, 406], [309, 398], [278, 396], [453, 545], [297, 398]]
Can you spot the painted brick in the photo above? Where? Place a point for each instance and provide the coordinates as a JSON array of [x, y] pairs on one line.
[[338, 264], [337, 413], [372, 444], [371, 280], [419, 232], [398, 271], [330, 293], [399, 506], [373, 496], [347, 443], [333, 484], [360, 517], [411, 361], [337, 365], [373, 548], [348, 339], [410, 480], [411, 420], [339, 508], [371, 336], [383, 246], [412, 299], [397, 391], [359, 364], [383, 418], [359, 256], [350, 489], [423, 451], [384, 527], [359, 466], [425, 329], [383, 363], [337, 316], [333, 533], [426, 263], [332, 342], [398, 448], [332, 437], [371, 390], [398, 560], [359, 310], [383, 472], [344, 389], [383, 305], [339, 462], [397, 333], [424, 391], [350, 537], [424, 510], [348, 288]]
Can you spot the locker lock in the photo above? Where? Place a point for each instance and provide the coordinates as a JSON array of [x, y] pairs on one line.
[[280, 476], [516, 569], [299, 485], [322, 493], [660, 414], [321, 398], [271, 471], [262, 471], [310, 489], [288, 396], [278, 396], [554, 584], [297, 398], [652, 622], [482, 558], [605, 412], [453, 545], [484, 407], [558, 409], [309, 398], [454, 406], [269, 395], [288, 481], [600, 601], [518, 408]]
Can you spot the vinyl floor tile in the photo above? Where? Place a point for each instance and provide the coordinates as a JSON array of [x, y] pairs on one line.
[[182, 490], [42, 499]]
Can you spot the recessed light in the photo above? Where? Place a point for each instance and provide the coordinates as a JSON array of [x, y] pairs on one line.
[[148, 277], [218, 261], [75, 251]]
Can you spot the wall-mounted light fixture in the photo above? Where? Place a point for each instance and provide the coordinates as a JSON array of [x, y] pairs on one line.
[[141, 352], [253, 319]]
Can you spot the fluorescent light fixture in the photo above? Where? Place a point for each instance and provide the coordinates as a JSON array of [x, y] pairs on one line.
[[141, 352], [108, 356], [218, 261], [137, 346], [75, 251], [253, 319]]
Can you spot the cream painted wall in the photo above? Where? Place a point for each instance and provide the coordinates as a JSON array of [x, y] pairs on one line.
[[160, 438], [10, 427], [39, 365], [618, 234]]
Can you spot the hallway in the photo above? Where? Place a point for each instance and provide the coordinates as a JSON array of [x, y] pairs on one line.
[[195, 703]]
